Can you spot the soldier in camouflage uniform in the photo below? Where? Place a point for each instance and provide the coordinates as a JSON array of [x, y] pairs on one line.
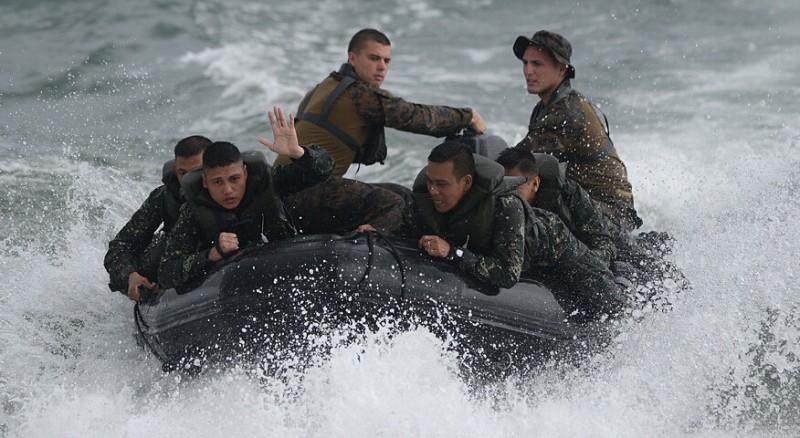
[[567, 245], [569, 127], [579, 279], [346, 114], [341, 205], [351, 127], [135, 252], [547, 188], [236, 199], [463, 212]]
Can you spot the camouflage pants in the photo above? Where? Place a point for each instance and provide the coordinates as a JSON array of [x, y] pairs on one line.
[[581, 282], [402, 191], [340, 205], [621, 215]]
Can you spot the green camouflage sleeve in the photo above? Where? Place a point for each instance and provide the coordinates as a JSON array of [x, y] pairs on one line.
[[540, 241], [315, 166], [501, 267], [133, 238], [182, 262], [340, 205], [558, 132], [547, 239], [574, 273], [380, 107], [590, 225]]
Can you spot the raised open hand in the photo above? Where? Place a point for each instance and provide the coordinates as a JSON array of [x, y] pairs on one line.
[[285, 142]]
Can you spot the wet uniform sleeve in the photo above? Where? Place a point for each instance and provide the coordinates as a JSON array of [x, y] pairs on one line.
[[591, 227], [315, 166], [503, 265], [541, 238], [133, 238], [380, 107], [557, 133], [182, 262]]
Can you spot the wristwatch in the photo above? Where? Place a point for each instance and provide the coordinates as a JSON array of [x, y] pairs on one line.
[[455, 252]]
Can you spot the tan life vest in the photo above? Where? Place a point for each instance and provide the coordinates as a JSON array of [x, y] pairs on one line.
[[323, 108]]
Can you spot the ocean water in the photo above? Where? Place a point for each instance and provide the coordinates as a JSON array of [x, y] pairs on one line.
[[703, 100]]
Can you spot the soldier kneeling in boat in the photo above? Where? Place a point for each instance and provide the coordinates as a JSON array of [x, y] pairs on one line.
[[569, 127], [237, 199]]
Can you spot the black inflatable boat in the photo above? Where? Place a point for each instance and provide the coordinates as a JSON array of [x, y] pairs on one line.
[[278, 292]]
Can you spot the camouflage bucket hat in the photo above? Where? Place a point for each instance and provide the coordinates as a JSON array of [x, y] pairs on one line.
[[557, 44]]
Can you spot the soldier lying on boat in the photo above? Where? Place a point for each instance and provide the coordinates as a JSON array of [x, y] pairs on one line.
[[560, 223], [547, 188], [236, 199], [339, 205], [634, 260], [135, 252]]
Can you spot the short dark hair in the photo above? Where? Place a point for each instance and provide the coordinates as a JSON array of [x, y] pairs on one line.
[[515, 157], [361, 37], [191, 146], [458, 153], [220, 154]]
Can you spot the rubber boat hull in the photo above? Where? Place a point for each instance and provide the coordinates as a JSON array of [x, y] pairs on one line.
[[279, 291]]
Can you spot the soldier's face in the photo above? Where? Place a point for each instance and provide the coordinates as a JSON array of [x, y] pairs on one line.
[[527, 190], [226, 184], [445, 188], [183, 165], [543, 74], [371, 63]]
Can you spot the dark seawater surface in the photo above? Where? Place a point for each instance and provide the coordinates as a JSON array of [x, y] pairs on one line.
[[703, 100]]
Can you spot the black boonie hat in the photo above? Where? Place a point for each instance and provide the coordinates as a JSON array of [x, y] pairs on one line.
[[555, 43]]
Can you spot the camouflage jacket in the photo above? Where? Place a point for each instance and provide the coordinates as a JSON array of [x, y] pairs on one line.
[[340, 205], [547, 240], [369, 107], [584, 219], [380, 107], [569, 128], [502, 265], [577, 277], [186, 255], [126, 248]]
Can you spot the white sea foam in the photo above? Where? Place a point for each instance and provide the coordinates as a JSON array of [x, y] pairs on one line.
[[705, 122]]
